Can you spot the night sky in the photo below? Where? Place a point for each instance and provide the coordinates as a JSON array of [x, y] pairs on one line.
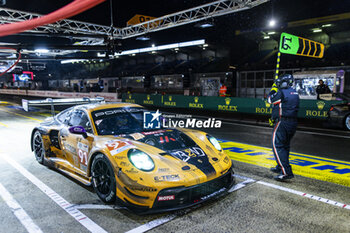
[[283, 10]]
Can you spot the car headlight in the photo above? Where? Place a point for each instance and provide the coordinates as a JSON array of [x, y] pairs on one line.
[[141, 160], [214, 142]]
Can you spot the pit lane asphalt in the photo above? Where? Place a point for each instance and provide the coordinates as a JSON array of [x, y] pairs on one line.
[[254, 208]]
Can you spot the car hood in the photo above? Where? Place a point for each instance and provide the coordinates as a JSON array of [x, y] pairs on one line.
[[178, 145]]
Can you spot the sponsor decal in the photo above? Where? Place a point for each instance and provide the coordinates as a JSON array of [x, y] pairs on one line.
[[83, 167], [115, 111], [148, 101], [320, 105], [167, 178], [187, 154], [163, 169], [116, 147], [76, 160], [320, 112], [143, 188], [69, 148], [129, 99], [132, 170], [154, 132], [170, 102], [227, 106], [195, 104], [266, 110], [124, 164], [137, 136], [226, 159], [166, 198]]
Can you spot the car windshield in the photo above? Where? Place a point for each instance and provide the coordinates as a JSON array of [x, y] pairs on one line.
[[117, 121]]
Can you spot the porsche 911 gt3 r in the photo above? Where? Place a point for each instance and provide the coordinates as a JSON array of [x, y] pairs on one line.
[[106, 146]]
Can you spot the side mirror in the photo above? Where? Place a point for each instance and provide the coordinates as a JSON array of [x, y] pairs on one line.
[[78, 130]]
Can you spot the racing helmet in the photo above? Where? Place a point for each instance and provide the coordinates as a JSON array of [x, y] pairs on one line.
[[284, 81]]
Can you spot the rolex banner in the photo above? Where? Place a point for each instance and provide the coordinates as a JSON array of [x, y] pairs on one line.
[[316, 109]]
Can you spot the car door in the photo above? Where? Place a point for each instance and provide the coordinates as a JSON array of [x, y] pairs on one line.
[[76, 147]]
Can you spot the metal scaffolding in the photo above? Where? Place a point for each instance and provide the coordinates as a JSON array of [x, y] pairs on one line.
[[203, 12]]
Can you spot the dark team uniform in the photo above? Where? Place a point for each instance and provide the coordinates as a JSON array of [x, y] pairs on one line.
[[284, 112]]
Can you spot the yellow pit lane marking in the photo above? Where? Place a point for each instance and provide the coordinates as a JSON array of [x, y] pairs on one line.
[[335, 171], [31, 118], [4, 125]]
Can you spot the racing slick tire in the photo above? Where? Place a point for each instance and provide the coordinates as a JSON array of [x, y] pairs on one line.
[[103, 179], [38, 147], [347, 122]]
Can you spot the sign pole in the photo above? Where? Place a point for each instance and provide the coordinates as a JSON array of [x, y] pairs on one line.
[[278, 64]]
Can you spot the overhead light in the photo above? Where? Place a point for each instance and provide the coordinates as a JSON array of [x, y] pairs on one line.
[[174, 46], [326, 25], [315, 30], [72, 61], [133, 54], [153, 45], [143, 38], [272, 23], [205, 24], [203, 48], [271, 33], [101, 54], [154, 52], [41, 50], [205, 45], [266, 37]]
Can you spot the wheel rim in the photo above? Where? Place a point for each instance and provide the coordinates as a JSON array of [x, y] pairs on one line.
[[347, 122], [102, 177], [38, 147]]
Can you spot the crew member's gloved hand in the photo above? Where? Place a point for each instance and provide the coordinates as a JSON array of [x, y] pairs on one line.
[[271, 121]]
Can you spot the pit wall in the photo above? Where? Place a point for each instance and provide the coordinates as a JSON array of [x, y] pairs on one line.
[[314, 109], [57, 94]]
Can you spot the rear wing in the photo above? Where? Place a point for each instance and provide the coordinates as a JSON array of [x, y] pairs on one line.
[[59, 102]]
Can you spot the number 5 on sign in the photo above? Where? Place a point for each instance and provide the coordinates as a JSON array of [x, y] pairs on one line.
[[296, 45]]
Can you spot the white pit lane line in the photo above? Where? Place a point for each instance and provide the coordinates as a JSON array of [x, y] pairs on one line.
[[65, 205], [299, 193], [302, 194], [18, 211]]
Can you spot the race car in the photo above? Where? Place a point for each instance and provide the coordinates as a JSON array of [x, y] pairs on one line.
[[339, 114], [145, 170]]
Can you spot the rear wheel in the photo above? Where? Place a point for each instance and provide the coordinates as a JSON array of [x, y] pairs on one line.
[[38, 147], [103, 179], [347, 122]]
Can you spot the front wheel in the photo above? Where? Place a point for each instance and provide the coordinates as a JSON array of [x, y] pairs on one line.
[[103, 179], [38, 147], [347, 122]]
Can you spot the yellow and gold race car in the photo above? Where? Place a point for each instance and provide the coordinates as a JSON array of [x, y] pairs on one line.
[[146, 170]]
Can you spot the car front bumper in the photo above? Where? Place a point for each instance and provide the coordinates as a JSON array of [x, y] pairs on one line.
[[184, 197]]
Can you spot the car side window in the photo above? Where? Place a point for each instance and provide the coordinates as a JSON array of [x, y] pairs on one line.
[[80, 118], [62, 116]]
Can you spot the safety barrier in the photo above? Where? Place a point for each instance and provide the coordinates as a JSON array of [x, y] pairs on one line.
[[57, 94], [316, 109]]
